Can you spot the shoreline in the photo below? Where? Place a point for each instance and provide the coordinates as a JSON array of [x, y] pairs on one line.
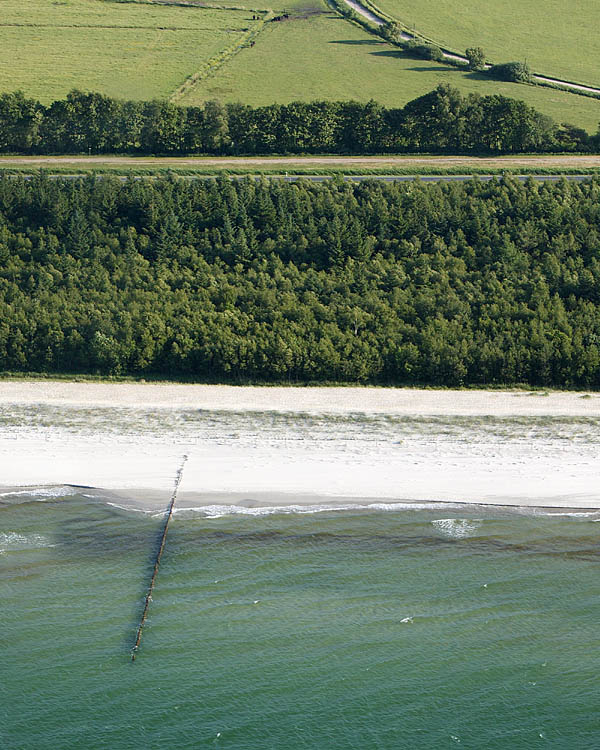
[[303, 399], [256, 447], [219, 504]]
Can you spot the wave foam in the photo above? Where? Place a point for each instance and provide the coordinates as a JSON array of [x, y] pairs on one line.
[[154, 513], [458, 528], [41, 493], [575, 514], [218, 511], [12, 540]]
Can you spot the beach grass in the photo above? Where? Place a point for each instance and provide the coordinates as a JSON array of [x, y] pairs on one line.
[[8, 376], [283, 171]]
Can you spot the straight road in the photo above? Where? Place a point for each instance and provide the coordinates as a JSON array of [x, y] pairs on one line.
[[347, 178]]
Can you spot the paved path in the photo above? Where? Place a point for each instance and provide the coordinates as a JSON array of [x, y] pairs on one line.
[[380, 21], [347, 178]]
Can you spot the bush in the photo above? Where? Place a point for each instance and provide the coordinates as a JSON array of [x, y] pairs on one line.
[[517, 72], [392, 32], [426, 51], [476, 58]]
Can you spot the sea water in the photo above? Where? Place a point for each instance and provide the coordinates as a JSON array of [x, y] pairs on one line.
[[305, 600], [422, 628]]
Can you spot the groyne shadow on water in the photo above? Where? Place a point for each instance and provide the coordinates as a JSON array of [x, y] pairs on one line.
[[88, 530], [162, 543], [140, 602], [138, 543]]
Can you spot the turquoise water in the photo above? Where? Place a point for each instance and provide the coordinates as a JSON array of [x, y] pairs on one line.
[[430, 628]]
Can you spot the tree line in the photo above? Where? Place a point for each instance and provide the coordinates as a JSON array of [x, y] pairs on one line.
[[221, 280], [442, 121]]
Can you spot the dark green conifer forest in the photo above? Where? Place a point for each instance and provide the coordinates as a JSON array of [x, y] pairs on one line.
[[470, 283]]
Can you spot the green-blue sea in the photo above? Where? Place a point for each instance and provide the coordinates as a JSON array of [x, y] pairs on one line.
[[430, 627]]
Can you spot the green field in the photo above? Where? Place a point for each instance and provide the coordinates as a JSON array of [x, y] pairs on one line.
[[557, 38], [141, 50], [345, 62], [129, 50]]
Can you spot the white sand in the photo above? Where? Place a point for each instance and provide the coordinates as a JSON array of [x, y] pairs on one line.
[[129, 438], [314, 399]]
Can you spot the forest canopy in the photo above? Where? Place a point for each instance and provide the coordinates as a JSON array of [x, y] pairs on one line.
[[442, 121], [226, 280]]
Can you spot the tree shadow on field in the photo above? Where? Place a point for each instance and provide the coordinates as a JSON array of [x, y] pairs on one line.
[[435, 69], [389, 53], [419, 68], [478, 75], [356, 41]]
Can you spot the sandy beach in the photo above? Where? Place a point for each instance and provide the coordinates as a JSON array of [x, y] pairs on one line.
[[256, 448], [334, 400]]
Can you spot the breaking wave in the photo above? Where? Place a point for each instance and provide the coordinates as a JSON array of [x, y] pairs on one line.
[[458, 528], [39, 493], [218, 511], [13, 541]]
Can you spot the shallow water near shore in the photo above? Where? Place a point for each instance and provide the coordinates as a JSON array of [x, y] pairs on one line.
[[313, 592], [427, 627]]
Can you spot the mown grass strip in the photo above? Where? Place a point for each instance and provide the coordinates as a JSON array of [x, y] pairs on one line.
[[183, 4]]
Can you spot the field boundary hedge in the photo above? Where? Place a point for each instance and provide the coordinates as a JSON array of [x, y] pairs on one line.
[[442, 121]]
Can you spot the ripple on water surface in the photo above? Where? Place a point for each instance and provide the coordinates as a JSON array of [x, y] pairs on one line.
[[346, 628]]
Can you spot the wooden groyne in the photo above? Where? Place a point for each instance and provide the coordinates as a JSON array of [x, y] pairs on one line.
[[161, 547]]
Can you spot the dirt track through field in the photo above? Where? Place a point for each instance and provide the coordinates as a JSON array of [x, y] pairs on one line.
[[380, 21]]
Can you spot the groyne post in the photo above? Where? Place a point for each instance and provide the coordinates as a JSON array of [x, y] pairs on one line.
[[161, 547]]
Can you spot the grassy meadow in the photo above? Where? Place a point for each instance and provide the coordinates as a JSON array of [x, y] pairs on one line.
[[557, 38], [345, 62], [141, 50], [129, 50]]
